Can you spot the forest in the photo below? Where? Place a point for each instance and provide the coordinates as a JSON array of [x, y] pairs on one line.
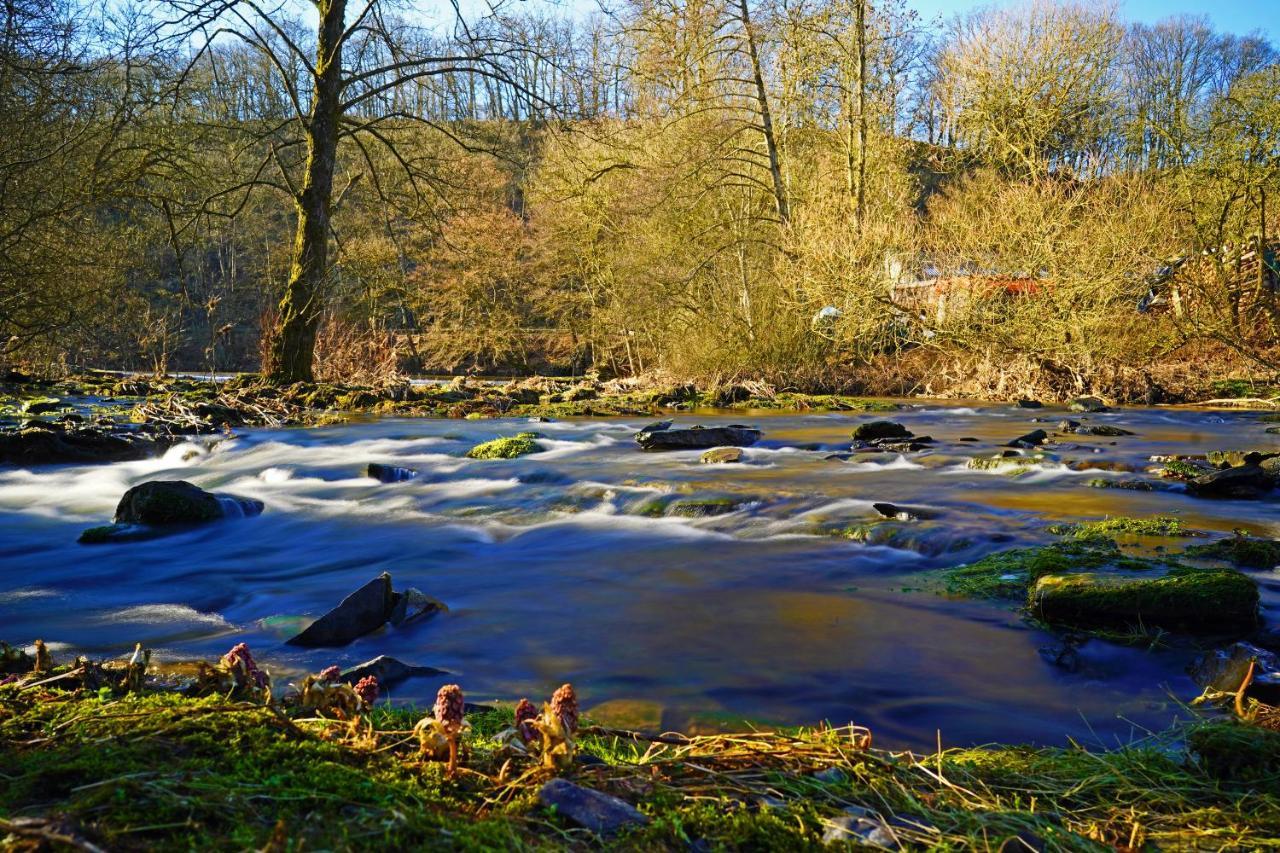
[[825, 194]]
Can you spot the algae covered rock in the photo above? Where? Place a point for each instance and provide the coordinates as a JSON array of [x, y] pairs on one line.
[[1087, 404], [1244, 551], [510, 447], [1194, 600]]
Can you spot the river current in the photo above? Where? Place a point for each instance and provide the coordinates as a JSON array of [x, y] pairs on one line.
[[552, 573]]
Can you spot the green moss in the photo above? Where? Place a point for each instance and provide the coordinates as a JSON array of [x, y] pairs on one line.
[[1243, 551], [1185, 598], [1010, 574], [1159, 525], [506, 448], [1180, 469], [1132, 485], [1237, 753]]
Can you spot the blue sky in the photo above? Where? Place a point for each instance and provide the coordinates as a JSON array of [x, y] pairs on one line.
[[1235, 16]]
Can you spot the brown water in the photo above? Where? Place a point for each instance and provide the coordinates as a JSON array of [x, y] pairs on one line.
[[552, 575]]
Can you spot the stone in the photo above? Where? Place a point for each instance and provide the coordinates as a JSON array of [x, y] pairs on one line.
[[1235, 458], [167, 502], [1224, 670], [363, 611], [1035, 438], [658, 426], [859, 827], [903, 513], [413, 604], [880, 429], [1029, 404], [38, 443], [1246, 482], [702, 507], [510, 447], [721, 455], [698, 438], [1191, 600], [41, 405], [1102, 430], [601, 813], [1087, 404], [388, 671], [389, 473]]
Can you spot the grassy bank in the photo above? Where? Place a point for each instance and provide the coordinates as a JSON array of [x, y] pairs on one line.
[[160, 770]]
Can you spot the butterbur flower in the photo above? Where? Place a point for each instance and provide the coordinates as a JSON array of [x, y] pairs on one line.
[[525, 716], [367, 689], [564, 704], [239, 662], [330, 674], [44, 660], [440, 732]]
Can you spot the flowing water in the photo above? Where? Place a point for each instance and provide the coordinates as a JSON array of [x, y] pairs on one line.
[[553, 574]]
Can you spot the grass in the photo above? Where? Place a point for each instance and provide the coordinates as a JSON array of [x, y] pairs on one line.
[[1159, 525], [160, 771]]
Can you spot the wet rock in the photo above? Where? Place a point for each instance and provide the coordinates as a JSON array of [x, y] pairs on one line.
[[1246, 482], [1087, 404], [657, 426], [873, 430], [388, 671], [1244, 551], [389, 473], [903, 513], [167, 502], [1134, 485], [1077, 428], [113, 533], [363, 611], [41, 405], [1192, 600], [1236, 458], [1224, 670], [702, 507], [698, 438], [413, 604], [1029, 404], [889, 445], [1035, 438], [720, 455], [1065, 656], [602, 814]]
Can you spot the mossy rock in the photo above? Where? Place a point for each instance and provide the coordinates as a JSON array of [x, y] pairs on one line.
[[1236, 752], [41, 405], [355, 400], [1195, 600], [167, 502], [1243, 551], [510, 447], [1009, 462], [702, 507], [1010, 574], [722, 455]]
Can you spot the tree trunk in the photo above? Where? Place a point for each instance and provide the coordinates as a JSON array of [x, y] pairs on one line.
[[766, 120], [293, 350], [862, 112]]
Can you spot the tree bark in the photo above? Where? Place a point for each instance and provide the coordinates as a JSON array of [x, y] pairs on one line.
[[293, 349], [861, 204], [766, 119]]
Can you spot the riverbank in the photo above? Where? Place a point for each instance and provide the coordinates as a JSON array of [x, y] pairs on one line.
[[98, 769]]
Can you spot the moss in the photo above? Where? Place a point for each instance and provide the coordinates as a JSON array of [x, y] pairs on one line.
[[1013, 464], [1243, 551], [506, 448], [1159, 525], [1132, 485], [1180, 469], [165, 772], [1185, 598], [1010, 574]]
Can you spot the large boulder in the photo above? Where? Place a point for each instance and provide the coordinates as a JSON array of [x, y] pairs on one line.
[[593, 810], [510, 447], [1087, 404], [697, 438], [1192, 600], [1245, 482], [39, 443], [167, 502]]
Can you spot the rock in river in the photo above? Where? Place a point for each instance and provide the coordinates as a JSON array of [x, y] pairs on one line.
[[388, 671], [364, 611], [160, 502], [719, 455], [1192, 600], [1224, 670], [1246, 482], [602, 814], [38, 443], [389, 473], [698, 438], [1035, 438], [873, 430], [1087, 404]]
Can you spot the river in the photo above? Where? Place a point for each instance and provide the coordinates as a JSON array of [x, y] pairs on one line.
[[552, 574]]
